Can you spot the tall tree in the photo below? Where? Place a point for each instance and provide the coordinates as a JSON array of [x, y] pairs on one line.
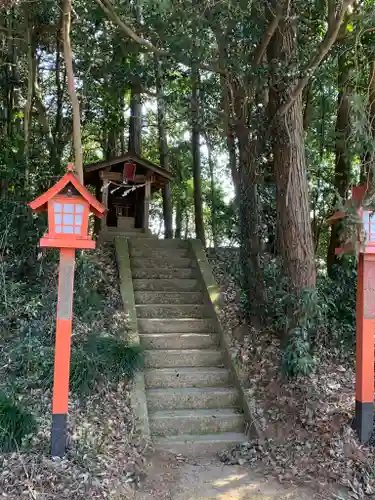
[[196, 153], [163, 148], [293, 210], [342, 176]]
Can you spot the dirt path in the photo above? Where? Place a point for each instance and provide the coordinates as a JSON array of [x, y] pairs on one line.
[[208, 479]]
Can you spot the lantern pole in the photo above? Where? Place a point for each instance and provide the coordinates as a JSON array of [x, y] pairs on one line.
[[62, 352], [365, 329]]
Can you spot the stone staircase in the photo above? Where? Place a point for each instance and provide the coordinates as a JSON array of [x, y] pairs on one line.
[[192, 404]]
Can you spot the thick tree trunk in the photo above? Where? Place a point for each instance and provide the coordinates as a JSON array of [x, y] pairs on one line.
[[77, 139], [196, 153], [248, 205], [293, 210], [343, 164], [163, 150]]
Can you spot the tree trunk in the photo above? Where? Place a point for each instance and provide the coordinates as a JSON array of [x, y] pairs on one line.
[[213, 194], [248, 204], [179, 217], [226, 99], [163, 149], [77, 139], [31, 70], [343, 164], [293, 210], [135, 122], [196, 153], [56, 151]]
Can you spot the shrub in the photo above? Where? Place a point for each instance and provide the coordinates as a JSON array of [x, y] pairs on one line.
[[15, 424], [97, 360], [102, 359], [296, 358]]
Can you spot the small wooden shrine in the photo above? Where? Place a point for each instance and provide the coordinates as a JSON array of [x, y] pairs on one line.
[[125, 185]]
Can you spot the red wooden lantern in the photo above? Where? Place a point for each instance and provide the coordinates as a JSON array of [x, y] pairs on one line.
[[365, 313], [68, 204]]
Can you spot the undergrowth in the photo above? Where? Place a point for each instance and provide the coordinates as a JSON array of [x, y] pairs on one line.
[[320, 321], [16, 424]]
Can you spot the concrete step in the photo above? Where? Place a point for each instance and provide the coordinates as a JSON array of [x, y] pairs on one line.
[[187, 377], [191, 397], [167, 285], [179, 340], [129, 230], [159, 253], [168, 358], [173, 311], [110, 236], [155, 243], [153, 273], [179, 422], [169, 297], [199, 446], [162, 263], [181, 325]]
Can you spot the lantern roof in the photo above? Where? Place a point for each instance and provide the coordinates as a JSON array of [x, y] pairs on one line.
[[40, 203]]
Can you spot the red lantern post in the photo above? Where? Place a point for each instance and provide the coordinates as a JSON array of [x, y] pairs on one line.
[[68, 204], [365, 316]]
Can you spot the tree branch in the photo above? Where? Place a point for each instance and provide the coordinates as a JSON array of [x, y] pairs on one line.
[[334, 24], [268, 34], [108, 8]]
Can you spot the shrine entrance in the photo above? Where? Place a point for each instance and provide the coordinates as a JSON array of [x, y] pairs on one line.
[[125, 186]]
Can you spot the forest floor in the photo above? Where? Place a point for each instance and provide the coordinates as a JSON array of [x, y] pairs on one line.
[[303, 426]]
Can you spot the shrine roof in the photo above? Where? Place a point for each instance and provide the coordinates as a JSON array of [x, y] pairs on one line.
[[128, 157]]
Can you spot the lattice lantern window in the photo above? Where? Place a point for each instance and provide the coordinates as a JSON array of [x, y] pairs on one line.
[[68, 217]]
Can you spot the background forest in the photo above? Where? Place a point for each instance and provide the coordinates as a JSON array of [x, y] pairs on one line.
[[263, 111]]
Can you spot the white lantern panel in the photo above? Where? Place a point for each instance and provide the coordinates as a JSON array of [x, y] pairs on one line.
[[79, 208], [68, 208], [57, 207]]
